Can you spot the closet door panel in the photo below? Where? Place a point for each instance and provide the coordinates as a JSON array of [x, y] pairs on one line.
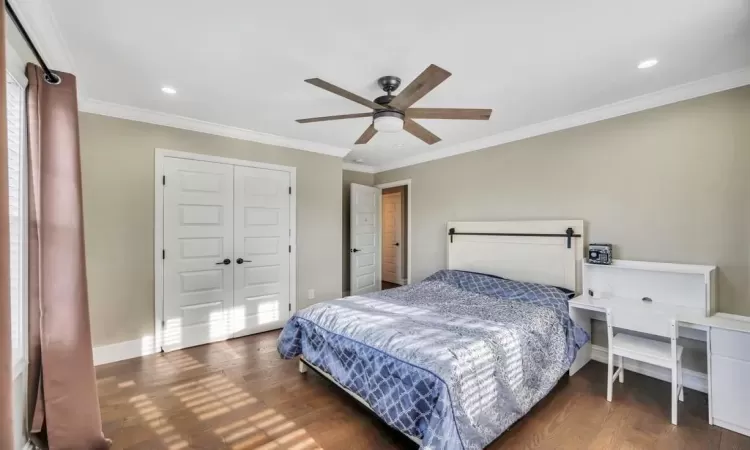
[[197, 238], [261, 245]]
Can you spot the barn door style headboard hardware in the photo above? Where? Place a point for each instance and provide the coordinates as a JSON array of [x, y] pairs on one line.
[[569, 234]]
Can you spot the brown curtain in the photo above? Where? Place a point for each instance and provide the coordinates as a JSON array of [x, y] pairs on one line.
[[6, 376], [63, 403]]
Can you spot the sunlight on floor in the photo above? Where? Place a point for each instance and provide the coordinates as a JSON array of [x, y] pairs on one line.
[[158, 423], [239, 420]]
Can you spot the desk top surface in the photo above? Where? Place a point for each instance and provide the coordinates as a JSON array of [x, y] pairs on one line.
[[679, 313]]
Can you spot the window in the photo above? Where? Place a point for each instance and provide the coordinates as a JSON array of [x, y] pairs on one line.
[[16, 191]]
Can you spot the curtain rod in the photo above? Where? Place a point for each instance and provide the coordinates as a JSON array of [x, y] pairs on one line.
[[49, 76]]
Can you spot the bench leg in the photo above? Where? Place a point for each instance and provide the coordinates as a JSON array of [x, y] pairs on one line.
[[674, 394], [622, 369], [679, 381], [302, 367]]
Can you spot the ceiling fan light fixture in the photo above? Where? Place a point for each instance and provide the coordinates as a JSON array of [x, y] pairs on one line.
[[388, 121], [389, 112]]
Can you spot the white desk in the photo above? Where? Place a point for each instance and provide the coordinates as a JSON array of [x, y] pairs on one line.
[[729, 356]]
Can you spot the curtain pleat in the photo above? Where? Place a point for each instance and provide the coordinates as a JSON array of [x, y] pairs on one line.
[[6, 351], [63, 403]]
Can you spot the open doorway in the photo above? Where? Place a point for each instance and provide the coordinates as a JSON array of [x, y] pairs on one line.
[[379, 239], [394, 234]]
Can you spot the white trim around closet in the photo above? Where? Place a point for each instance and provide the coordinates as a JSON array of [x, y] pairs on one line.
[[406, 183], [159, 156]]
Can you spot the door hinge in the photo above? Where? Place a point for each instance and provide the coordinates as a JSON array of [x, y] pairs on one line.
[[163, 180], [163, 324], [290, 249], [163, 254], [290, 190], [290, 307]]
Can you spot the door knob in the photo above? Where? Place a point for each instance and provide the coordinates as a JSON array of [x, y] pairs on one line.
[[355, 250], [396, 244], [240, 261], [226, 262]]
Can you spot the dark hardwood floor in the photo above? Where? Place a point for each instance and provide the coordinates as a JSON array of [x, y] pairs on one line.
[[388, 285], [240, 395]]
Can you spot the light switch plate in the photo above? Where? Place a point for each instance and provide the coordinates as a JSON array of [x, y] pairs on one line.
[[311, 294]]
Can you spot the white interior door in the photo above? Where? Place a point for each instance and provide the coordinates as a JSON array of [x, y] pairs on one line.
[[364, 239], [197, 239], [392, 238], [262, 250]]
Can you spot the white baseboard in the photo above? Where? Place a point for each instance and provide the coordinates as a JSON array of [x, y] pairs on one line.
[[696, 381], [120, 351]]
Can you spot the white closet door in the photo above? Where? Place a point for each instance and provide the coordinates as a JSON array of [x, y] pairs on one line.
[[198, 288], [365, 241], [262, 254]]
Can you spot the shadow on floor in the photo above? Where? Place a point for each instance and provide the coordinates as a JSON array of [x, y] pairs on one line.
[[387, 285]]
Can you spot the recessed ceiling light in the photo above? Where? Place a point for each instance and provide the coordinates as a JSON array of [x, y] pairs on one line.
[[169, 90], [648, 63], [359, 161]]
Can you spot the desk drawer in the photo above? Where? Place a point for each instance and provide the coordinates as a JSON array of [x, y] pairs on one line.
[[732, 344], [730, 393]]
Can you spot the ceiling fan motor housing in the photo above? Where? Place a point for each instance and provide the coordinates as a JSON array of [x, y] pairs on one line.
[[384, 100], [389, 83]]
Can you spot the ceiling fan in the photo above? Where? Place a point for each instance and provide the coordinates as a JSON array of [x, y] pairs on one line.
[[393, 113]]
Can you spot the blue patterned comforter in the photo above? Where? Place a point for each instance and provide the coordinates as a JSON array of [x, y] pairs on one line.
[[453, 360]]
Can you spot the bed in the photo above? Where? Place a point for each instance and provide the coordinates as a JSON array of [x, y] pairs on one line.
[[456, 359]]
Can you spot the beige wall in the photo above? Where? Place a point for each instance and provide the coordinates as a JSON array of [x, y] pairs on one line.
[[667, 184], [118, 198], [349, 177]]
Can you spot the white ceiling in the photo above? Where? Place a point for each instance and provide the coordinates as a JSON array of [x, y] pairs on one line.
[[242, 63]]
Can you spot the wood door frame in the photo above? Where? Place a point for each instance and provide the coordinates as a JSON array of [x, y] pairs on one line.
[[382, 186], [159, 155]]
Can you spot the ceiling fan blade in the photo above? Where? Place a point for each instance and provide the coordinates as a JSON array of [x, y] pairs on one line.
[[449, 113], [343, 93], [424, 83], [420, 131], [342, 116], [367, 135]]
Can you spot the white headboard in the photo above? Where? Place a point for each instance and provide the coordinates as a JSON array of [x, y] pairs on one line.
[[539, 259]]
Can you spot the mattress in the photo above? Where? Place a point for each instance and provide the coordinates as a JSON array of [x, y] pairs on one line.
[[453, 360]]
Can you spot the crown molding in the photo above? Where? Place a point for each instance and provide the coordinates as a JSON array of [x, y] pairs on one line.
[[687, 91], [699, 88], [201, 126], [359, 167], [39, 21]]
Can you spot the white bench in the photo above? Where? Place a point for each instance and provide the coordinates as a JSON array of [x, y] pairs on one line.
[[662, 354]]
